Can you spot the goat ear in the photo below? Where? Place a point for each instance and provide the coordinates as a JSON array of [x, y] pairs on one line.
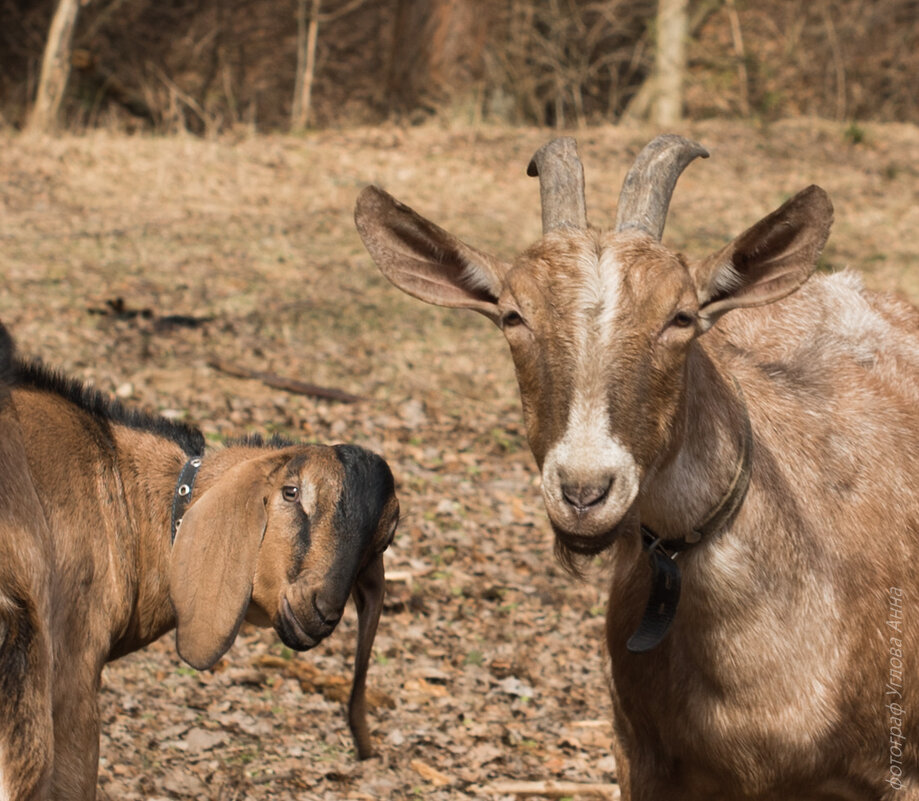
[[213, 563], [423, 259], [768, 261]]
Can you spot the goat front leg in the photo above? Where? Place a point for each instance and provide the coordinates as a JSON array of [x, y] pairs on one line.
[[26, 745], [76, 740], [654, 788], [640, 775], [639, 781]]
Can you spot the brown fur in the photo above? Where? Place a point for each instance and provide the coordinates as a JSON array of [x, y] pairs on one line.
[[88, 572], [25, 652], [771, 682]]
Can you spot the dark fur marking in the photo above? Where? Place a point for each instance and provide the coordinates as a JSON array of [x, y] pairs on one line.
[[301, 546], [275, 441], [368, 484], [104, 409]]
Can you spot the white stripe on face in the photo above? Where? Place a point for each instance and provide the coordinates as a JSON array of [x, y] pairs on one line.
[[309, 498], [586, 454]]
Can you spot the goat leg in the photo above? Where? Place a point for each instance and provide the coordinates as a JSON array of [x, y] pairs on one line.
[[368, 597]]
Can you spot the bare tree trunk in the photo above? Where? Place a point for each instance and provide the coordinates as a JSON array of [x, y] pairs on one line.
[[670, 60], [307, 36], [437, 51], [639, 107], [741, 53], [55, 67], [838, 62]]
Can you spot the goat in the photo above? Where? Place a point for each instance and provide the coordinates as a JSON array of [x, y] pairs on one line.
[[767, 458], [274, 533]]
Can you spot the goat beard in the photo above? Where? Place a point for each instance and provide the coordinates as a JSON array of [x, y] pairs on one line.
[[575, 551]]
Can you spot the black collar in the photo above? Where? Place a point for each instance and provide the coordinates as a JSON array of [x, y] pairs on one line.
[[665, 574], [182, 496]]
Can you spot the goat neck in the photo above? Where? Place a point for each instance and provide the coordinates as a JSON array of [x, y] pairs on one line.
[[148, 467], [687, 493], [666, 575]]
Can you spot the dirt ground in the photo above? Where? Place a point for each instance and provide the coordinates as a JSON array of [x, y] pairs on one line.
[[488, 663]]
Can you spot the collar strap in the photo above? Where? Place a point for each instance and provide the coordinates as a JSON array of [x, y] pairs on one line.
[[182, 496], [663, 599], [665, 574], [730, 503]]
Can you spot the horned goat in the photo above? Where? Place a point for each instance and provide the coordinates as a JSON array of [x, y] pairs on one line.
[[766, 461], [92, 496]]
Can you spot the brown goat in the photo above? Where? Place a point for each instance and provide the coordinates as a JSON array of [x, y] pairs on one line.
[[274, 533], [768, 457]]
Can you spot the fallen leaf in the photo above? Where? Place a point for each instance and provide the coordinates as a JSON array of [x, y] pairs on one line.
[[429, 774], [198, 740], [182, 783]]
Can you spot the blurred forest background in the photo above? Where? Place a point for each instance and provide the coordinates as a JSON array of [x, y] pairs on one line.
[[212, 66]]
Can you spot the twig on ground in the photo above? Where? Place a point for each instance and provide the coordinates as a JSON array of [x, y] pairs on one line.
[[553, 789], [273, 777], [287, 384]]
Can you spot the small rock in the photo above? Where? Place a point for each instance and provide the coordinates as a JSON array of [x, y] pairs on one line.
[[513, 686]]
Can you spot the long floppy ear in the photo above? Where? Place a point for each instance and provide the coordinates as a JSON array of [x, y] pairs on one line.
[[213, 563], [768, 261], [423, 259], [368, 597]]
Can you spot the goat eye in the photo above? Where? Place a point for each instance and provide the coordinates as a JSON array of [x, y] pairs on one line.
[[290, 493], [510, 319], [683, 319]]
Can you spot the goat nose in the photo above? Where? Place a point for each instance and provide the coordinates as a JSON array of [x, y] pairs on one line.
[[584, 496], [327, 611]]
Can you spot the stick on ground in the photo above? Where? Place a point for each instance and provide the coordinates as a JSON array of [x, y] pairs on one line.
[[287, 384], [551, 789]]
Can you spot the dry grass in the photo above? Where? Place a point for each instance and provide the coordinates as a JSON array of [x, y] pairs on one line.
[[257, 233]]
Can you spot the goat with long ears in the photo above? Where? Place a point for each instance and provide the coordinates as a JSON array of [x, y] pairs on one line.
[[750, 430], [92, 495]]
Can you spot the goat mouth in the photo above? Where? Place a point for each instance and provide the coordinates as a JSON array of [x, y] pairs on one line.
[[583, 544], [291, 632]]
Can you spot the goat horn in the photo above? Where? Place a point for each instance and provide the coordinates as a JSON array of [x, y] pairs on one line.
[[561, 184], [648, 187]]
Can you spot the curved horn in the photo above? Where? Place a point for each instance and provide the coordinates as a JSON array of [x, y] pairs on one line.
[[646, 191], [561, 184]]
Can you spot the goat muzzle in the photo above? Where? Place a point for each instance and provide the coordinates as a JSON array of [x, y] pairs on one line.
[[583, 497], [293, 632]]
